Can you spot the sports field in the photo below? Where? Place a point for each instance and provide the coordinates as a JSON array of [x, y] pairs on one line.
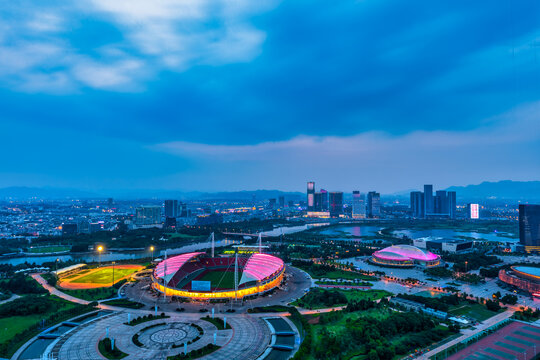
[[220, 279], [514, 341], [100, 277]]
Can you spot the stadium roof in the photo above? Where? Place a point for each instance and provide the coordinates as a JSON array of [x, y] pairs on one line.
[[260, 266], [405, 252], [167, 268]]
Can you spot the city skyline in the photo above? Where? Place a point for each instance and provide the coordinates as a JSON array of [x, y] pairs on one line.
[[194, 96]]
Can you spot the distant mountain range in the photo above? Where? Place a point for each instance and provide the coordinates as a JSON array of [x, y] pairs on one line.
[[47, 193], [504, 190]]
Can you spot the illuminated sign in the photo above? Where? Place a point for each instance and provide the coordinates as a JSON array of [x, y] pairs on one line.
[[200, 285], [475, 212]]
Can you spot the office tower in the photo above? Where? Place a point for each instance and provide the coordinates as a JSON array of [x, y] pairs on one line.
[[428, 200], [358, 205], [310, 195], [474, 211], [529, 227], [373, 204], [336, 203], [171, 209], [417, 204], [282, 202], [318, 202], [440, 204], [148, 215], [110, 202], [182, 210], [324, 197], [272, 203], [451, 204]]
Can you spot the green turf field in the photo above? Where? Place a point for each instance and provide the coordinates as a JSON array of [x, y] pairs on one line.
[[104, 276], [475, 311], [48, 249], [220, 279]]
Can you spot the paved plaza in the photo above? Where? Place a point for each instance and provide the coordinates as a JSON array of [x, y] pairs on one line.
[[248, 338]]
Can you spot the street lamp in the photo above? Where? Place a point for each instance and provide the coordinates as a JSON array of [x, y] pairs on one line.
[[152, 250], [465, 266], [113, 273], [99, 249], [56, 263]]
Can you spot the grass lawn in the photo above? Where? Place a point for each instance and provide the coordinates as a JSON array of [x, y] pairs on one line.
[[220, 279], [15, 324], [475, 311], [124, 303], [104, 276], [184, 236], [93, 294], [48, 249], [429, 294], [356, 295], [351, 295], [347, 275], [12, 326]]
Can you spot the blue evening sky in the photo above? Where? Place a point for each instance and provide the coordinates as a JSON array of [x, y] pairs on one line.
[[242, 94]]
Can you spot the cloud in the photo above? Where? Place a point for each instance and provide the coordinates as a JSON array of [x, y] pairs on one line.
[[157, 36], [368, 159]]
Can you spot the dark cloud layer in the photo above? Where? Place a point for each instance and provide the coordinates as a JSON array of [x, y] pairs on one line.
[[257, 75]]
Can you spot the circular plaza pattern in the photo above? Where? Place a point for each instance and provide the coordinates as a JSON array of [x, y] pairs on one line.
[[247, 340], [168, 336]]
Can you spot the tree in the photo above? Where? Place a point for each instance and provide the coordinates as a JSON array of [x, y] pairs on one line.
[[372, 355]]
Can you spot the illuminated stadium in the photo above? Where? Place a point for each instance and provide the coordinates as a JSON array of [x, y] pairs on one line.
[[405, 256], [199, 276], [523, 277]]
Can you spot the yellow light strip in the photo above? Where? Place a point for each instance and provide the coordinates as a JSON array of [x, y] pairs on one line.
[[221, 294]]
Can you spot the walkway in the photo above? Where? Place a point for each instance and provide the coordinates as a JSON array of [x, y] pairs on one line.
[[467, 334]]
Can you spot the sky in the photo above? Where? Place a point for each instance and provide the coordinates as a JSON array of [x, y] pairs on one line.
[[217, 95]]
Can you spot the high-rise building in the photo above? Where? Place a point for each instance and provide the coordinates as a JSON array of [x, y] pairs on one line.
[[172, 209], [148, 216], [451, 204], [428, 200], [440, 203], [311, 196], [529, 227], [417, 204], [474, 211], [318, 202], [272, 203], [424, 205], [373, 204], [282, 202], [110, 203], [336, 203], [358, 205], [324, 197]]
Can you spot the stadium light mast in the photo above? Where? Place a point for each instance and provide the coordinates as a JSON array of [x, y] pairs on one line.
[[212, 235], [236, 276], [165, 277], [260, 243]]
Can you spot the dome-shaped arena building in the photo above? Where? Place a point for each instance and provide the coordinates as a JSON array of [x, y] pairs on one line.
[[523, 277], [199, 276], [405, 256]]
